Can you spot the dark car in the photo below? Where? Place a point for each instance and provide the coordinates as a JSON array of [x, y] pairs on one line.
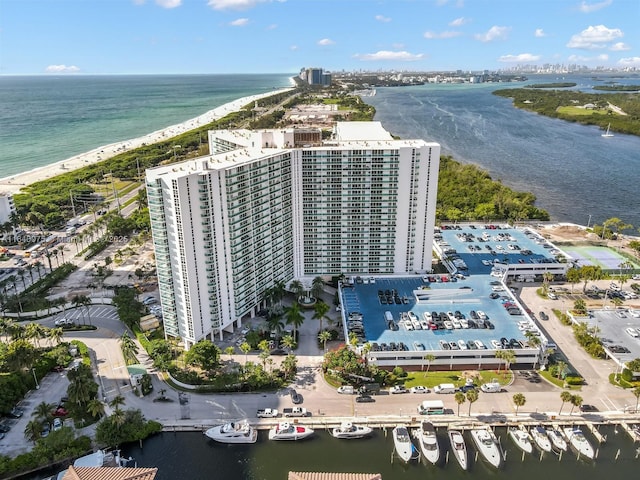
[[4, 428], [588, 408], [15, 413], [466, 388], [544, 316], [365, 399], [296, 398]]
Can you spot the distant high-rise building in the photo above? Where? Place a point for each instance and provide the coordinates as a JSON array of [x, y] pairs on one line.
[[277, 205], [7, 207], [316, 76]]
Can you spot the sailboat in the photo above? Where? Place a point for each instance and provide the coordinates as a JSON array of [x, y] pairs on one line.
[[607, 134]]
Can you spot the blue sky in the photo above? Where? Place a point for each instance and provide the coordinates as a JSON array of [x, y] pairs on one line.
[[282, 36]]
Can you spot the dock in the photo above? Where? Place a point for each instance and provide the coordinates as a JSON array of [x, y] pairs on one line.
[[629, 428]]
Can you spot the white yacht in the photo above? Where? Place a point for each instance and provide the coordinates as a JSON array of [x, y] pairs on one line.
[[428, 441], [402, 443], [540, 438], [487, 445], [557, 440], [521, 438], [579, 442], [349, 430], [459, 447], [233, 432], [289, 431]]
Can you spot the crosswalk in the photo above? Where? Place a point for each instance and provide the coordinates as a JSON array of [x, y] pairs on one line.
[[94, 312]]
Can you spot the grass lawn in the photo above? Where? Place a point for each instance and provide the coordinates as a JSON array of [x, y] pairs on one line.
[[580, 112], [433, 378]]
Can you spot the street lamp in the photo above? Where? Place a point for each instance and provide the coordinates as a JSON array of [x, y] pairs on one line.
[[35, 379], [175, 147]]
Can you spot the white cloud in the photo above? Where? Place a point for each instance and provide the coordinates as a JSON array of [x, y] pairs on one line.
[[447, 34], [594, 37], [458, 3], [293, 47], [630, 62], [588, 8], [234, 4], [388, 55], [458, 22], [62, 69], [579, 58], [382, 18], [325, 41], [520, 58], [169, 3], [539, 33], [620, 47], [240, 22], [494, 33]]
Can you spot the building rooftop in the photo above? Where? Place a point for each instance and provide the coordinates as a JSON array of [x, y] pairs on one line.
[[363, 131], [109, 473]]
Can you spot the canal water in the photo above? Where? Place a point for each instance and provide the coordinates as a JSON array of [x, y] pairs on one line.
[[194, 456]]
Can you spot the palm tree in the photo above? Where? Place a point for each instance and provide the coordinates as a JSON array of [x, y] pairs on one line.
[[277, 292], [317, 287], [48, 254], [636, 393], [128, 346], [429, 357], [321, 309], [561, 367], [32, 430], [246, 348], [547, 278], [42, 412], [55, 335], [576, 401], [95, 408], [509, 358], [29, 268], [289, 342], [324, 336], [519, 400], [460, 398], [294, 317], [297, 288], [116, 402], [472, 397], [230, 350], [79, 390], [565, 397]]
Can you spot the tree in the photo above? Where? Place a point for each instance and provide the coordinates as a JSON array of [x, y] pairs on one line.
[[561, 367], [320, 311], [245, 348], [460, 398], [324, 336], [95, 408], [294, 317], [472, 397], [636, 393], [547, 278], [204, 354], [43, 412], [317, 287], [580, 306], [289, 342], [429, 357], [277, 292], [565, 396], [297, 288], [573, 276], [590, 273], [519, 400], [230, 350], [116, 402], [576, 401], [32, 430], [129, 348]]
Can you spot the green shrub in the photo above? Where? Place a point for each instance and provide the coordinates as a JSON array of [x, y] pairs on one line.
[[627, 375], [573, 380]]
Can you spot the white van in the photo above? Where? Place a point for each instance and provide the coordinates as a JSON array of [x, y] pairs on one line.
[[445, 388], [346, 389], [491, 387]]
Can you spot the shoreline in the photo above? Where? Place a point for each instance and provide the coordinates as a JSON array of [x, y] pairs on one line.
[[14, 183]]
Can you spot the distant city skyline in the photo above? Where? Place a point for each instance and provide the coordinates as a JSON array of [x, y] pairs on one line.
[[279, 36]]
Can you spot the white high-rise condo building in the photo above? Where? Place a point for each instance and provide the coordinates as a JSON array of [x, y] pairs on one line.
[[276, 205]]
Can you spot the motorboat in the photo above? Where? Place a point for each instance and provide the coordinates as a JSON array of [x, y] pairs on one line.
[[521, 438], [487, 445], [557, 440], [579, 442], [459, 447], [233, 432], [289, 431], [402, 443], [348, 430], [540, 438], [428, 441]]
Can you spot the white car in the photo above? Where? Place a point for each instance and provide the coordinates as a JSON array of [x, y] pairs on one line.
[[61, 322], [419, 389], [634, 313], [57, 424], [398, 389], [633, 332], [552, 296]]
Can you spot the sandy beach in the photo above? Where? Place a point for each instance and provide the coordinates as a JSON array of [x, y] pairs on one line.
[[14, 183]]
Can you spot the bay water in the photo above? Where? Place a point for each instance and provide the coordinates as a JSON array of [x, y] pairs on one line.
[[194, 456]]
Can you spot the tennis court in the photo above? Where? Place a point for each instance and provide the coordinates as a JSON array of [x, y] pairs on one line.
[[602, 257]]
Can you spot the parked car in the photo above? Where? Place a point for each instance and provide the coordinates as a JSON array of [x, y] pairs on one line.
[[419, 389], [398, 389], [57, 424], [4, 428], [588, 408], [365, 399], [63, 322], [15, 413], [544, 316]]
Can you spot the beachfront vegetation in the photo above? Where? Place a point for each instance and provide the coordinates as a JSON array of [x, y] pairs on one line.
[[552, 85], [466, 192], [621, 110]]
